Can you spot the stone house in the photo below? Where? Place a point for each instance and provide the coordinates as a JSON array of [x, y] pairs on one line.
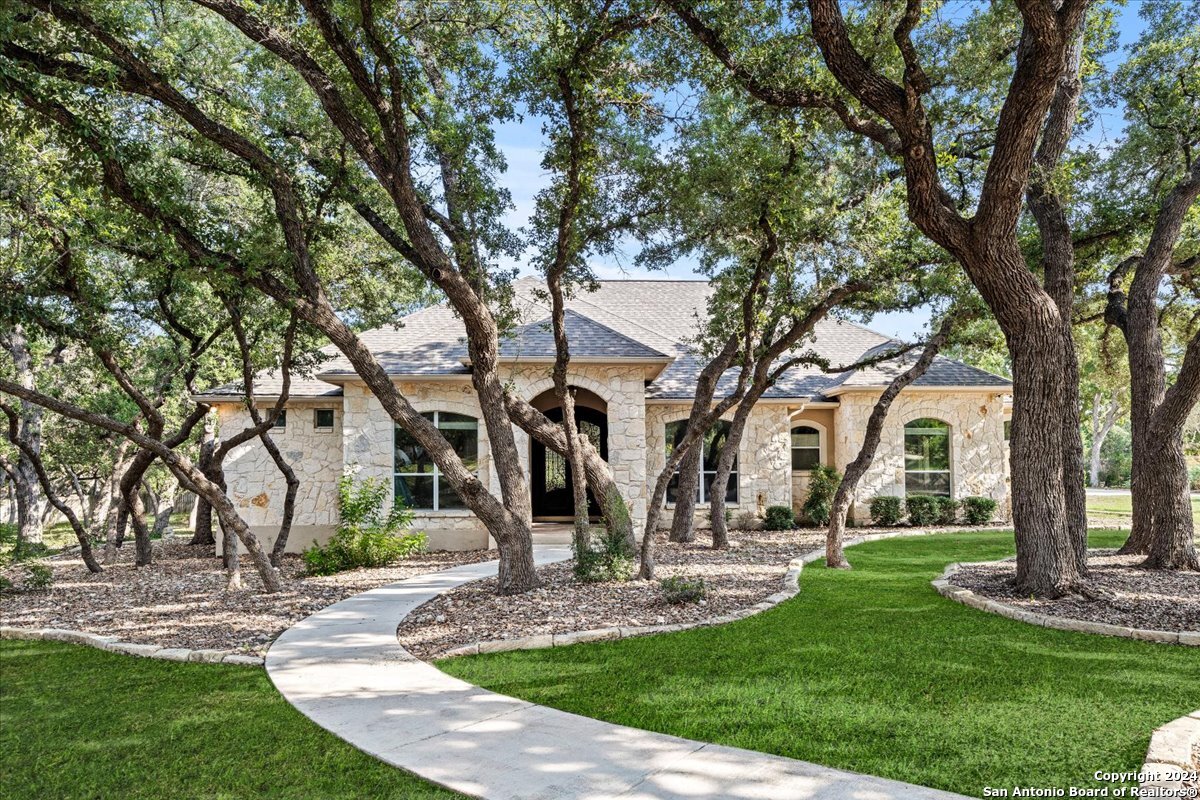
[[634, 375]]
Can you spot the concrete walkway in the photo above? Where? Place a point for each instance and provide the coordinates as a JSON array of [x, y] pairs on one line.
[[344, 669]]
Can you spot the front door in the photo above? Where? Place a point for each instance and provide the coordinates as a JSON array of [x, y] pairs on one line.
[[550, 479]]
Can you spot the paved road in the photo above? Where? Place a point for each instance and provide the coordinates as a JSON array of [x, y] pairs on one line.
[[344, 669]]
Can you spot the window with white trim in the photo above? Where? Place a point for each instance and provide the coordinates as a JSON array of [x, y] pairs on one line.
[[419, 483], [714, 440], [322, 419], [806, 448], [927, 457]]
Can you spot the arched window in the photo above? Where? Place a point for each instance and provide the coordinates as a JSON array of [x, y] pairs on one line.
[[418, 482], [927, 457], [806, 448], [714, 440]]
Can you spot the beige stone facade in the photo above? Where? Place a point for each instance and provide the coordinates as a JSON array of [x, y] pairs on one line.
[[362, 442], [978, 450], [257, 487]]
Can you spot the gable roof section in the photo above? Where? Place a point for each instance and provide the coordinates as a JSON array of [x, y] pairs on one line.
[[943, 372], [587, 338]]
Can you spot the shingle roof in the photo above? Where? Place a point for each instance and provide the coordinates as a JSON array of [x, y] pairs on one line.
[[942, 372], [634, 319], [268, 385], [586, 339]]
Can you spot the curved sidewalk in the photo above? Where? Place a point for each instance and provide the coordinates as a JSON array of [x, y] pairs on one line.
[[344, 669]]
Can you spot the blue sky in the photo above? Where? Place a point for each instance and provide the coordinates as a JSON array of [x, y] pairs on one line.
[[522, 144]]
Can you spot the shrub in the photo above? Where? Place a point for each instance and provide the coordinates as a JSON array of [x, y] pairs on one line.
[[779, 518], [947, 510], [5, 585], [37, 575], [679, 589], [749, 521], [886, 510], [922, 510], [1194, 478], [823, 484], [978, 510], [366, 534], [607, 558]]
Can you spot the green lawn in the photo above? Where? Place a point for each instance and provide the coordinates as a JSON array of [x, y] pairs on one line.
[[81, 723], [1118, 508], [871, 670]]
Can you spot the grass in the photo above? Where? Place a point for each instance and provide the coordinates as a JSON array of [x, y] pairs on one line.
[[81, 723], [1118, 508], [870, 670]]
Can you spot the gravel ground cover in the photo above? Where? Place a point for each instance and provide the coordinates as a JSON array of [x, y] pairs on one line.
[[1128, 595], [746, 573], [180, 600]]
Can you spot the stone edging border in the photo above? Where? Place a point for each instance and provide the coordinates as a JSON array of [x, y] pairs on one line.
[[1170, 755], [791, 587], [113, 645], [969, 598]]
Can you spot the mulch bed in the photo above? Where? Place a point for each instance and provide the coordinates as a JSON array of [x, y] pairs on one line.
[[748, 572], [1129, 596], [180, 600]]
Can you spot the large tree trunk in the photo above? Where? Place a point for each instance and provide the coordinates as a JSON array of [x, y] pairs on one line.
[[1162, 523], [202, 514], [30, 502], [683, 520], [1058, 268], [1047, 563], [143, 550], [1173, 544], [1074, 492]]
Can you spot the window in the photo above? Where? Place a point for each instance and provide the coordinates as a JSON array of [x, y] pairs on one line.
[[927, 457], [418, 482], [281, 420], [323, 419], [806, 448], [714, 440]]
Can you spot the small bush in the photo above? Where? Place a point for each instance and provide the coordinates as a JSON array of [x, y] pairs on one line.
[[922, 510], [5, 585], [607, 558], [678, 589], [886, 510], [37, 575], [947, 510], [779, 518], [366, 534], [823, 484], [978, 510], [749, 521], [1194, 478]]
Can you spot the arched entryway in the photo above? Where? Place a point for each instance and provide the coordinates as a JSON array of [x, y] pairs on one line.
[[550, 474]]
